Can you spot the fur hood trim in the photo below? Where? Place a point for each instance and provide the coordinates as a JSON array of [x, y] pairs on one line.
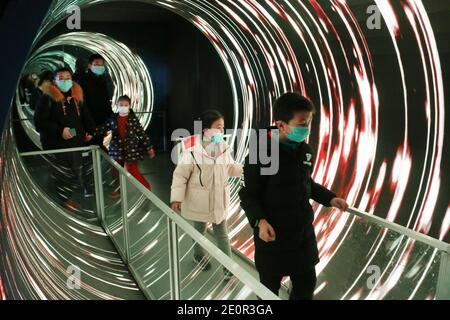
[[53, 92]]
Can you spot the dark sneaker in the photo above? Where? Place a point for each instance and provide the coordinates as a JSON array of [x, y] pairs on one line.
[[115, 194], [72, 205], [202, 262]]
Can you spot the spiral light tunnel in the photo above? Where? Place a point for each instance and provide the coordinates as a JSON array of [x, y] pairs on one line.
[[134, 80], [376, 100]]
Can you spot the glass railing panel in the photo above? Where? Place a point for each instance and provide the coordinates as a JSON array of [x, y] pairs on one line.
[[205, 278], [150, 262], [112, 203], [373, 262], [145, 221], [374, 259], [66, 178], [148, 236]]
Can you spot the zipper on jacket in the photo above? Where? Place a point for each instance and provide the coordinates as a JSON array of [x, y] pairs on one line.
[[200, 169], [214, 187]]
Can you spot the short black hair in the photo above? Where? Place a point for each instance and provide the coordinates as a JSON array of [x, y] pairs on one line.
[[95, 56], [46, 75], [124, 98], [208, 117], [290, 103], [80, 64], [63, 69]]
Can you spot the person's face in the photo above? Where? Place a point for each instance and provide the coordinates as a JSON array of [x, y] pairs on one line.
[[300, 119], [218, 125], [65, 75], [98, 63], [123, 103]]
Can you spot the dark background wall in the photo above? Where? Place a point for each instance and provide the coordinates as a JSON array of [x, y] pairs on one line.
[[19, 23]]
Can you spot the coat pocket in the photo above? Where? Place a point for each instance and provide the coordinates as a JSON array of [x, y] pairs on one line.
[[197, 200]]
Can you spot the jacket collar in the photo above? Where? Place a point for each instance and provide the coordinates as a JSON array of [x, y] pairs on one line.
[[53, 92], [194, 144], [284, 144], [131, 115]]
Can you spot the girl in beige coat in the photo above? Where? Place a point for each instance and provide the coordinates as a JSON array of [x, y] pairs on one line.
[[200, 188]]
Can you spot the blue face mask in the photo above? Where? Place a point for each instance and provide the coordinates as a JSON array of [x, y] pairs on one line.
[[217, 138], [64, 85], [98, 70], [298, 133]]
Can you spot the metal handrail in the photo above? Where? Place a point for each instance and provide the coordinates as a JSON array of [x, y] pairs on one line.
[[244, 276], [175, 220], [420, 237], [44, 152], [437, 244]]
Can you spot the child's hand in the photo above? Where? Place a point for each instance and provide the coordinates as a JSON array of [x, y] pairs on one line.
[[87, 138], [176, 206], [151, 153], [266, 231], [339, 203], [66, 134]]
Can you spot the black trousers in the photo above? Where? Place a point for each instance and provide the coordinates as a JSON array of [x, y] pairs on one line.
[[303, 284], [293, 254], [67, 174]]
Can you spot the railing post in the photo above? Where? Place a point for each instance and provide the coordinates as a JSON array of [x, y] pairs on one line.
[[124, 202], [174, 260], [98, 185], [443, 284]]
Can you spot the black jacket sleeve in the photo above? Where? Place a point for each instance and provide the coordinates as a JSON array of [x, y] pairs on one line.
[[321, 194], [144, 139], [102, 129], [35, 97], [88, 122], [42, 120], [109, 87], [251, 194]]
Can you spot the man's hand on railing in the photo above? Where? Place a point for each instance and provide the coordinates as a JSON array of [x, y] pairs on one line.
[[339, 203], [176, 206]]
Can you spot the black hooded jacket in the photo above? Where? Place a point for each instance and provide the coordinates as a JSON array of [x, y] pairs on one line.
[[97, 95], [283, 199], [56, 111]]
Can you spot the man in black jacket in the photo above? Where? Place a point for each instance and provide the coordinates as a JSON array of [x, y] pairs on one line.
[[98, 92], [63, 122], [277, 206]]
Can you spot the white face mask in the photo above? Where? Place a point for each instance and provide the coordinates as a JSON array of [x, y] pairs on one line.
[[124, 110]]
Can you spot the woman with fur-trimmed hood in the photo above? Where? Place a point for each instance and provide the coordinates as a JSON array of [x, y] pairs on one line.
[[63, 122], [60, 117]]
